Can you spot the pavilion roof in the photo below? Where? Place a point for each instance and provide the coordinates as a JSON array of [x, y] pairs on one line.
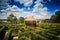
[[30, 18]]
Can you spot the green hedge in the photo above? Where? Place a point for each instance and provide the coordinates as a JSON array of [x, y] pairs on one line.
[[1, 29], [8, 35]]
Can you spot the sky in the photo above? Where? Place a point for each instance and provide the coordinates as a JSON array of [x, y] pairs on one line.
[[40, 9]]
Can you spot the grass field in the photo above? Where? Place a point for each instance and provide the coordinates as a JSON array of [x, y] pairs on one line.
[[43, 31]]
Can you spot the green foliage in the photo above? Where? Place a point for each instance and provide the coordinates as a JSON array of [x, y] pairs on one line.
[[52, 28], [1, 29], [2, 32], [44, 31], [8, 35], [30, 36], [12, 18], [56, 18], [21, 19]]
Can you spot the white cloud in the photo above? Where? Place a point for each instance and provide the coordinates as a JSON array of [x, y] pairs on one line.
[[37, 7], [25, 2], [4, 4], [44, 11], [15, 10], [39, 11], [20, 12], [42, 17], [2, 16], [56, 10], [38, 1]]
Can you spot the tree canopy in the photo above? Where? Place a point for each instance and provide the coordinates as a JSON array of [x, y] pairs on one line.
[[56, 17], [21, 19], [12, 18]]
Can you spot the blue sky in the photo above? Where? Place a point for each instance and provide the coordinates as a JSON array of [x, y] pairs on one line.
[[40, 9]]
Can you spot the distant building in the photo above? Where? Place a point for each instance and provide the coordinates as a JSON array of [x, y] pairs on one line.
[[30, 21]]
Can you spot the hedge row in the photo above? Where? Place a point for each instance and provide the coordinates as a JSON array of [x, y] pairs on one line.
[[1, 29], [8, 35]]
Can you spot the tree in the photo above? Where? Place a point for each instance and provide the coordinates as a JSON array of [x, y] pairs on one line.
[[21, 19], [15, 20], [56, 18], [12, 18], [53, 18], [46, 20]]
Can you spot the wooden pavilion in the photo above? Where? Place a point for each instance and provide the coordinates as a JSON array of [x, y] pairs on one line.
[[30, 21]]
